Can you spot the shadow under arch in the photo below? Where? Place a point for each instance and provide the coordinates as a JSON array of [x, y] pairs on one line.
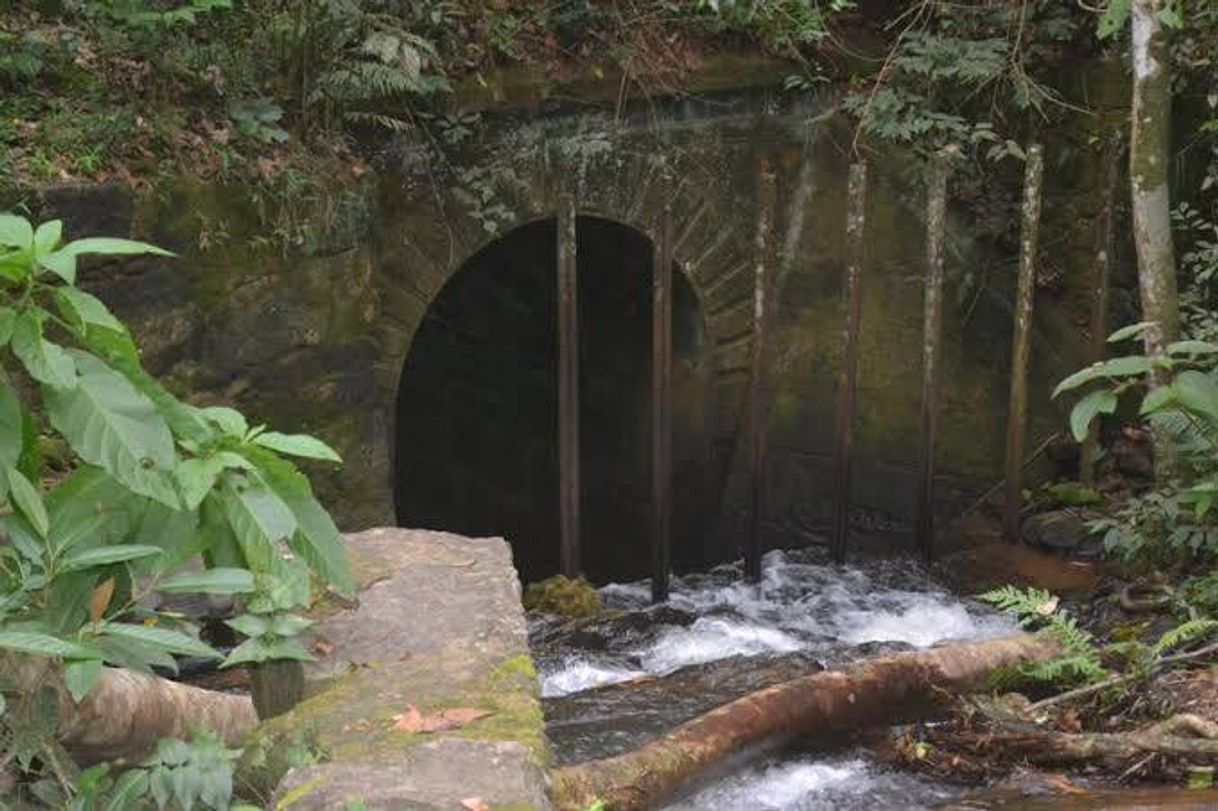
[[476, 418]]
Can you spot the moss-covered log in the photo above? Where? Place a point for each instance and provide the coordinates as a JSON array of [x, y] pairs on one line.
[[886, 690]]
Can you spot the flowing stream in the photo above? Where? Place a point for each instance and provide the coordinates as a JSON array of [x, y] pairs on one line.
[[611, 683]]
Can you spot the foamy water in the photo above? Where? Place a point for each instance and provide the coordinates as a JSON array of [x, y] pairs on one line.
[[798, 606], [814, 785]]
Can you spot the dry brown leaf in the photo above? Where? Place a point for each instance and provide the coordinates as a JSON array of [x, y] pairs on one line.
[[475, 804], [414, 721], [99, 600]]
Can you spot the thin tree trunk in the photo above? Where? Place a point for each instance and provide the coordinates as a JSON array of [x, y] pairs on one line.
[[847, 381], [886, 690], [1017, 410], [932, 340], [1181, 737], [1102, 269], [568, 389], [758, 414], [1149, 144], [661, 407]]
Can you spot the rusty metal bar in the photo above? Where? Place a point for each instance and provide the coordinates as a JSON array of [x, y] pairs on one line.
[[568, 390], [932, 338], [1017, 408], [758, 406], [661, 407], [1105, 245], [847, 380]]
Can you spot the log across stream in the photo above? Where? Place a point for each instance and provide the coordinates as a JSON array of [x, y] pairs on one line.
[[611, 684]]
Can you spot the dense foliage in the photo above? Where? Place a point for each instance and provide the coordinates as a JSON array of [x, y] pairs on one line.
[[129, 88], [152, 483]]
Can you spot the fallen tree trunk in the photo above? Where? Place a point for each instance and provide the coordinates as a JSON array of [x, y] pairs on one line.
[[126, 712], [886, 690]]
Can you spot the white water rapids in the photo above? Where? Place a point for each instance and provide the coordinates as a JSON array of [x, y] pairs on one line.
[[801, 607], [797, 606]]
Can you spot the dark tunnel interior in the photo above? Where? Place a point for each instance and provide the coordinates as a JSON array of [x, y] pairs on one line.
[[476, 429]]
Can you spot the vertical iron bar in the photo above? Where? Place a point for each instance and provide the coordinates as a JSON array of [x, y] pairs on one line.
[[661, 407], [1105, 244], [758, 411], [847, 381], [1017, 409], [568, 390], [932, 328]]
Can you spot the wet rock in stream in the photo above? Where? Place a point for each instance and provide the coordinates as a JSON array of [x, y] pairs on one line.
[[618, 717]]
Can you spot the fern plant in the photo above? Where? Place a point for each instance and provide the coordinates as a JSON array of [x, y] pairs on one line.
[[1037, 609]]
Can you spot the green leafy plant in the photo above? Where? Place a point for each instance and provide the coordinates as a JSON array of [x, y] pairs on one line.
[[259, 119], [1036, 608], [153, 481], [179, 775], [142, 15], [1176, 516]]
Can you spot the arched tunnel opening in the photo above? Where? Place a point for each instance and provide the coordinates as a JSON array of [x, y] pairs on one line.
[[476, 428]]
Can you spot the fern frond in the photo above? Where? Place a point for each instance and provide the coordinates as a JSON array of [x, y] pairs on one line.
[[1184, 633], [1080, 661]]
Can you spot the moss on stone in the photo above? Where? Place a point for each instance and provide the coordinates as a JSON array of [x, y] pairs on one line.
[[563, 596], [354, 717]]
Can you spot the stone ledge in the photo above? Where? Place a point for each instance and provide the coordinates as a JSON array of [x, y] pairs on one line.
[[438, 625]]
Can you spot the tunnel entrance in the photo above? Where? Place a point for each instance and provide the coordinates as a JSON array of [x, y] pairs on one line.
[[476, 439]]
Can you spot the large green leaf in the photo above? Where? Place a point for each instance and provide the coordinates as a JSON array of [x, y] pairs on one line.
[[1127, 366], [219, 543], [210, 581], [18, 534], [85, 309], [317, 540], [63, 261], [1130, 331], [11, 432], [79, 677], [98, 328], [90, 507], [297, 445], [112, 425], [1198, 392], [174, 531], [16, 232], [1192, 348], [128, 790], [28, 500], [228, 420], [45, 361], [8, 320], [196, 477], [1113, 18], [159, 639], [108, 246], [1086, 410], [15, 265], [105, 555], [266, 649], [38, 644], [134, 656], [47, 237], [258, 518], [184, 420]]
